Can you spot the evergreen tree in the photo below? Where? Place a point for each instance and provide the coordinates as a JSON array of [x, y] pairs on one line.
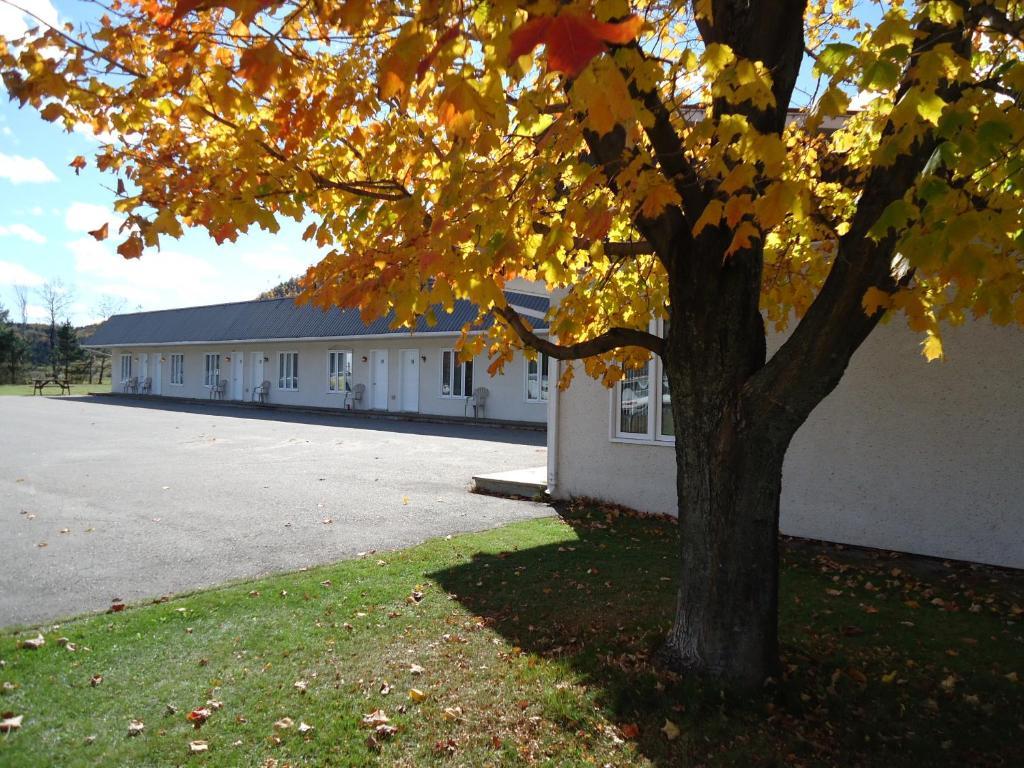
[[67, 349]]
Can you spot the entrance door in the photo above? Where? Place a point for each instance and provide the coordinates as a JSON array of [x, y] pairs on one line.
[[379, 379], [143, 369], [257, 369], [410, 379], [158, 370], [237, 374]]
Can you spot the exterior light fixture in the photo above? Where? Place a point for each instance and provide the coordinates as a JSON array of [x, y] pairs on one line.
[[365, 358]]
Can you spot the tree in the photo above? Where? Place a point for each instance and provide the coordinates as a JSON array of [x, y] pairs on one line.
[[656, 161], [21, 295], [105, 309], [12, 346], [56, 299], [68, 350]]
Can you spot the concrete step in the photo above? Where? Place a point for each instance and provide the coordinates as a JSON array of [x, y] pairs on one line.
[[530, 482]]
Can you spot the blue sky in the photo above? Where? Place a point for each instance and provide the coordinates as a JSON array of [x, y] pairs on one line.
[[46, 211]]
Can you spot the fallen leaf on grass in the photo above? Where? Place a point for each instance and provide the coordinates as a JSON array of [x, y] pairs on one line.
[[949, 683], [375, 719], [300, 686], [195, 747], [284, 724], [95, 680], [446, 746], [10, 722], [116, 608], [305, 727], [671, 730], [416, 669], [198, 716], [417, 695], [135, 727], [385, 688], [453, 714], [34, 643], [630, 730]]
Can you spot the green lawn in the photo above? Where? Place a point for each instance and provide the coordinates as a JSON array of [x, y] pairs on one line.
[[535, 643], [76, 389]]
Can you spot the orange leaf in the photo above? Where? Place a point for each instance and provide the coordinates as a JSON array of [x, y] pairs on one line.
[[101, 233], [131, 248], [78, 164], [428, 60], [572, 39]]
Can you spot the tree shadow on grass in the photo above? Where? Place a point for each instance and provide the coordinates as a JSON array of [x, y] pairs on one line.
[[600, 603]]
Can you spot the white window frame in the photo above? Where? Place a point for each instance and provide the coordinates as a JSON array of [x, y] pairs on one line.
[[177, 369], [286, 382], [337, 356], [656, 389], [126, 356], [541, 361], [211, 373], [455, 368]]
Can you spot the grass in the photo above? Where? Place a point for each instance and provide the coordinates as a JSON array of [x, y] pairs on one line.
[[536, 642], [76, 389]]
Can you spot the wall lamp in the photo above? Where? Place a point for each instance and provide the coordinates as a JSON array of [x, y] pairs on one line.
[[365, 358], [423, 358]]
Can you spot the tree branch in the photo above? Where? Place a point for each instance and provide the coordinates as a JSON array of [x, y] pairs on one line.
[[611, 248], [613, 338]]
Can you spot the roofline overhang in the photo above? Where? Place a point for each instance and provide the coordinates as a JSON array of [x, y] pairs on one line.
[[292, 339]]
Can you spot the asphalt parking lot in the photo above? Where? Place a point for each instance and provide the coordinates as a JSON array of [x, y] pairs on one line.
[[104, 498]]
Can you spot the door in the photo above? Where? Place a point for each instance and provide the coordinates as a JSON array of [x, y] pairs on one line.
[[379, 379], [158, 370], [237, 376], [410, 379], [143, 369], [257, 369]]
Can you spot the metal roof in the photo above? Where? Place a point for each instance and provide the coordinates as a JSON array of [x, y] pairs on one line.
[[272, 319]]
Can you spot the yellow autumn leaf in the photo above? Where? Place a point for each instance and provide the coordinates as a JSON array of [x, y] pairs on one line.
[[711, 216], [658, 198], [417, 695], [932, 346]]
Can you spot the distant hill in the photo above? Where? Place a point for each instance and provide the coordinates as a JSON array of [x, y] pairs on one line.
[[282, 290]]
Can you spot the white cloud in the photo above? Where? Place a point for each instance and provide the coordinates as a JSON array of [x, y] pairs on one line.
[[15, 23], [158, 280], [84, 217], [23, 231], [24, 170], [15, 274], [36, 211], [280, 264]]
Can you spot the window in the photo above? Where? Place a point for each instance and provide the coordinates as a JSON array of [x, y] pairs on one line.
[[287, 370], [126, 368], [642, 405], [211, 371], [339, 371], [177, 369], [456, 377], [537, 379]]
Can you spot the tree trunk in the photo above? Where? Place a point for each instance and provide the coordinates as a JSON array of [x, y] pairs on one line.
[[728, 485]]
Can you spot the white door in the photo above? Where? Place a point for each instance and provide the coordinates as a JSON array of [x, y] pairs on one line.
[[379, 379], [257, 370], [158, 370], [237, 375], [143, 369], [410, 379]]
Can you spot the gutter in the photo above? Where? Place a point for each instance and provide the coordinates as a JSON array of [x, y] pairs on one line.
[[553, 427]]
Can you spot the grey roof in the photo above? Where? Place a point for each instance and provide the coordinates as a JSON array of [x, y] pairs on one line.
[[282, 319]]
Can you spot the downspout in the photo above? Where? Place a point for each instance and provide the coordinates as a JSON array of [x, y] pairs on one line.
[[553, 426]]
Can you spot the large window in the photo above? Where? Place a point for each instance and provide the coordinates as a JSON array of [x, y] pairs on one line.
[[177, 369], [537, 379], [642, 405], [339, 371], [211, 370], [456, 377], [126, 368], [287, 370]]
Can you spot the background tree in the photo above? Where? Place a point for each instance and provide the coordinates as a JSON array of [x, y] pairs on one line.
[[56, 300], [107, 307], [656, 161], [21, 298], [12, 347], [68, 349]]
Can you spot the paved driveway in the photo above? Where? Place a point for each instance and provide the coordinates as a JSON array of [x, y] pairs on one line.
[[135, 501]]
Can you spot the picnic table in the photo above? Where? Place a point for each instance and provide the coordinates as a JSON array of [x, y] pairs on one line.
[[38, 385]]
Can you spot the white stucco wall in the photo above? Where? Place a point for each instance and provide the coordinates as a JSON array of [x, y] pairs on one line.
[[507, 400], [904, 455]]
